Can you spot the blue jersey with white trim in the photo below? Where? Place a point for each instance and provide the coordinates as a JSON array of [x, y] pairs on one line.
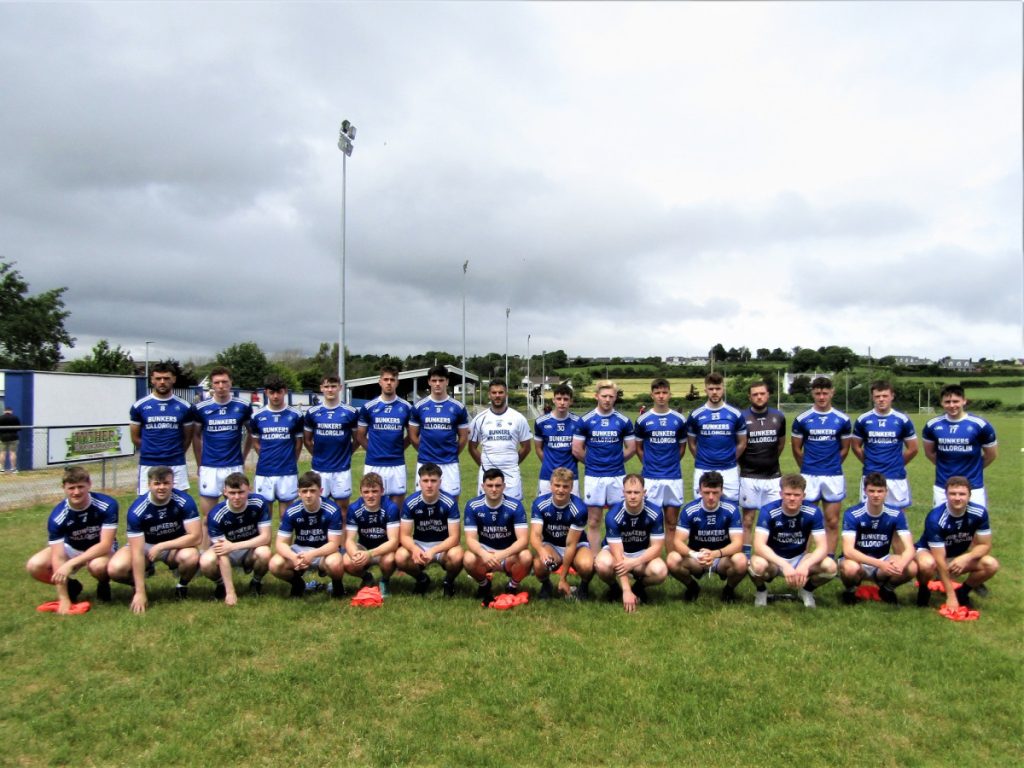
[[495, 527], [372, 526], [439, 423], [661, 435], [385, 422], [790, 535], [883, 437], [221, 426], [160, 522], [225, 523], [956, 533], [634, 532], [555, 521], [873, 534], [555, 438], [81, 528], [332, 430], [605, 436], [430, 519], [710, 529], [822, 435], [163, 423], [277, 431], [958, 447], [310, 529], [716, 430]]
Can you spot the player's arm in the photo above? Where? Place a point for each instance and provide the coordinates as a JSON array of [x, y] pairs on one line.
[[187, 431], [857, 444], [761, 549], [414, 437], [681, 541], [980, 546], [136, 431], [735, 545], [298, 445], [252, 443], [454, 534], [522, 542], [226, 577], [628, 447], [524, 449], [819, 553], [906, 554], [538, 448], [850, 551], [333, 545], [653, 551], [797, 445], [62, 571], [474, 450], [579, 447], [988, 455], [741, 445], [909, 449], [283, 547], [572, 543], [622, 574], [389, 546], [781, 439], [691, 441], [140, 600], [938, 554], [844, 447], [930, 451], [261, 539], [307, 440], [191, 538], [638, 449], [361, 437], [197, 446], [537, 537], [463, 437]]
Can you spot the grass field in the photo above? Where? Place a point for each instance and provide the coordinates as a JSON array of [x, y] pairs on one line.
[[437, 682]]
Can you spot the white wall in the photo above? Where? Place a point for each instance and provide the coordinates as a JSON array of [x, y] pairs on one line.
[[68, 399]]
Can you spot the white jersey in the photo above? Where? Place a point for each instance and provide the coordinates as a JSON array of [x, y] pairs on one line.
[[499, 436]]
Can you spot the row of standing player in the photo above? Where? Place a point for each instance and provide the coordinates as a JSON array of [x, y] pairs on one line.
[[743, 446]]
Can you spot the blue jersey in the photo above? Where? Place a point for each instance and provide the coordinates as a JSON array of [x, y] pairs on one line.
[[224, 523], [944, 529], [605, 436], [372, 526], [883, 438], [710, 529], [157, 523], [716, 430], [873, 535], [958, 447], [634, 532], [790, 535], [385, 422], [163, 425], [332, 430], [276, 431], [555, 521], [495, 528], [555, 438], [822, 435], [439, 424], [311, 529], [221, 426], [430, 519], [661, 435], [80, 528]]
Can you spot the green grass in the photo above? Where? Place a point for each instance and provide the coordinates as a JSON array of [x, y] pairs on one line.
[[436, 682]]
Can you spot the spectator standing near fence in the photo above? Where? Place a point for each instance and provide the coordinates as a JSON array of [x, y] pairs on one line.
[[9, 431]]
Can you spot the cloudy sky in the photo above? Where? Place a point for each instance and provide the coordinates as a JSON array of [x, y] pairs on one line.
[[645, 179]]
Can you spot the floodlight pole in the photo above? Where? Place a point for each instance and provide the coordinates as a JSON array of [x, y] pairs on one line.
[[465, 268], [528, 382], [346, 136], [508, 311], [147, 361]]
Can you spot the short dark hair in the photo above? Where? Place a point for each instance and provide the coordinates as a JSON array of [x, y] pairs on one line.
[[75, 474], [660, 384], [438, 370], [875, 480], [633, 477], [220, 370], [562, 389], [274, 383], [430, 468], [822, 382], [159, 473], [958, 480], [310, 479], [372, 480], [236, 480], [393, 370], [714, 378], [759, 383], [330, 378], [952, 389], [499, 382], [712, 479], [793, 480], [882, 385], [161, 367], [492, 472]]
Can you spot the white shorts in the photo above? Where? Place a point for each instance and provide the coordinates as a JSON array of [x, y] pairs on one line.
[[211, 480], [180, 477], [625, 554], [316, 563], [825, 488], [898, 495], [425, 545], [280, 487], [756, 492], [161, 558], [793, 562], [730, 482], [393, 477], [451, 477], [978, 496], [513, 483], [336, 485], [871, 571], [602, 491], [664, 493], [703, 571], [544, 486], [238, 557]]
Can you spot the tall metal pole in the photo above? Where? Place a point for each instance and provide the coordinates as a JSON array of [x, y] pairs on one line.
[[528, 382], [147, 362], [345, 139], [543, 374], [465, 267], [508, 311]]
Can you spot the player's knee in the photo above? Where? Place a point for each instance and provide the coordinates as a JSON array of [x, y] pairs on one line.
[[849, 569], [277, 565], [673, 560], [737, 563], [826, 567], [756, 567], [656, 572], [990, 565]]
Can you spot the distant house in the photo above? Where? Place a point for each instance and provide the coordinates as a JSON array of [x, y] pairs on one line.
[[680, 360], [956, 364], [911, 360]]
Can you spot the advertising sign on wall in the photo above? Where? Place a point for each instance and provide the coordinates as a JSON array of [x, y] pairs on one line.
[[66, 444]]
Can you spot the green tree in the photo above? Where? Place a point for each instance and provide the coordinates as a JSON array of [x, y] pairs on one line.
[[805, 360], [31, 327], [801, 386], [837, 359], [103, 359], [249, 366]]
